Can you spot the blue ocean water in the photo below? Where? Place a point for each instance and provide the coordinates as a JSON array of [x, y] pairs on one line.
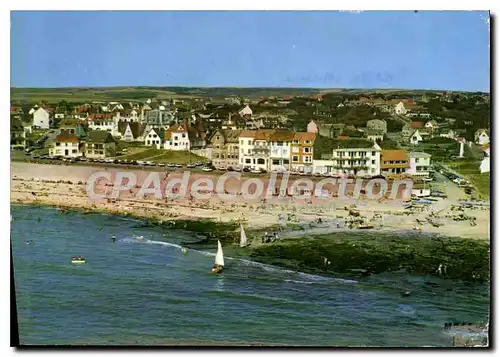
[[147, 292]]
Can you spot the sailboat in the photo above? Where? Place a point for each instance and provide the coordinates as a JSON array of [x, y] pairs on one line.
[[243, 239], [219, 260]]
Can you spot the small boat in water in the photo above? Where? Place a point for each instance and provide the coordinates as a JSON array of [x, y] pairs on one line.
[[78, 260], [140, 238], [243, 237], [219, 260]]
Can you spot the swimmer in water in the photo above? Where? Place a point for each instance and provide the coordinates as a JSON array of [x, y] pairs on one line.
[[113, 238]]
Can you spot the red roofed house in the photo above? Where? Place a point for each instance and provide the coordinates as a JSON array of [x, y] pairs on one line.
[[66, 145]]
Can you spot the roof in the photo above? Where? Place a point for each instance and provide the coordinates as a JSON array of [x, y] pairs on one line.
[[394, 155], [480, 131], [67, 122], [264, 134], [100, 136], [248, 133], [101, 116], [417, 124], [419, 154], [66, 137], [353, 143], [305, 136], [176, 128], [136, 128], [282, 135]]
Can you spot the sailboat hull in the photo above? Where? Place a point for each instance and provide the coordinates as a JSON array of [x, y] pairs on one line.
[[217, 269]]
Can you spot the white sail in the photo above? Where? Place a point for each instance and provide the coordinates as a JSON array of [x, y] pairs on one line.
[[243, 239], [219, 257]]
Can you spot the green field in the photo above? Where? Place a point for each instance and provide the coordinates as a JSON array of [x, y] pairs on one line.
[[162, 155], [469, 169]]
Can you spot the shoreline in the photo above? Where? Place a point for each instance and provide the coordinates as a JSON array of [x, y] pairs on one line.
[[301, 224], [61, 186]]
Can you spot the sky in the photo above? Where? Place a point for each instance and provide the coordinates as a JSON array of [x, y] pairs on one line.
[[446, 50]]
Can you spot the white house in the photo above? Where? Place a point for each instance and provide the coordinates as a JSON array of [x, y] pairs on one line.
[[280, 150], [416, 138], [154, 137], [362, 156], [246, 111], [400, 109], [481, 137], [246, 147], [420, 164], [41, 118], [66, 145], [420, 189], [177, 138], [104, 122], [448, 134], [312, 127], [485, 163]]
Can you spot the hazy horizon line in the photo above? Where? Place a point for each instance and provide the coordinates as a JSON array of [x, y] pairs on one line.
[[252, 87]]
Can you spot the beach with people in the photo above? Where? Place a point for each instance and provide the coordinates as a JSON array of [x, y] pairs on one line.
[[67, 187]]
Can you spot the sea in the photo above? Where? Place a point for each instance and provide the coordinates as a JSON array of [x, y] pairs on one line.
[[148, 292]]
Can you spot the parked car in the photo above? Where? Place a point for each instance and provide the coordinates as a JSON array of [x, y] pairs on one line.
[[179, 166], [191, 166], [207, 169]]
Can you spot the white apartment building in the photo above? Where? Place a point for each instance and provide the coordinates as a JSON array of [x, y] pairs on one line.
[[358, 157], [420, 164], [280, 150], [246, 139]]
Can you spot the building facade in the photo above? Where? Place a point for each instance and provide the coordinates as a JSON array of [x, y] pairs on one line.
[[100, 144], [225, 148], [420, 164], [394, 162], [66, 145]]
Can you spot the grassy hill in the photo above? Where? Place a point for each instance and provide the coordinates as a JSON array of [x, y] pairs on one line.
[[82, 94]]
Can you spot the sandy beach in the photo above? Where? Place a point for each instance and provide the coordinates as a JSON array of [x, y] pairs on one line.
[[65, 186]]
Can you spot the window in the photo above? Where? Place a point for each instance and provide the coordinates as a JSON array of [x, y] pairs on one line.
[[307, 150], [74, 151], [249, 142], [184, 135], [216, 138], [286, 161], [373, 153], [308, 142], [295, 141], [307, 159], [261, 161], [295, 158], [242, 142], [176, 144], [391, 162], [295, 149], [248, 161], [416, 160], [58, 144], [276, 162]]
